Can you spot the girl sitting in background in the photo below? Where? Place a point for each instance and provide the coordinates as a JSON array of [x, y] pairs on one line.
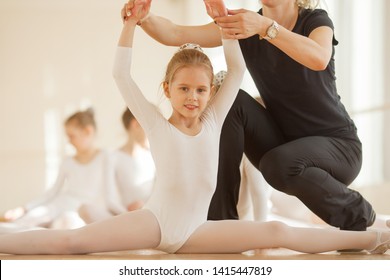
[[80, 180]]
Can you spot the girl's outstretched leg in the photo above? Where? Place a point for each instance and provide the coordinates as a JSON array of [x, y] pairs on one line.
[[129, 231], [239, 236]]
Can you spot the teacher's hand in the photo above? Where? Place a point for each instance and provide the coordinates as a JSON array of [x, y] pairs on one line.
[[136, 9]]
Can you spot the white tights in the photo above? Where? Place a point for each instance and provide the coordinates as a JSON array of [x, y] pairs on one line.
[[238, 236], [140, 230]]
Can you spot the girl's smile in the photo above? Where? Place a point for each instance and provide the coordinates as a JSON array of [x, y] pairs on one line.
[[189, 92]]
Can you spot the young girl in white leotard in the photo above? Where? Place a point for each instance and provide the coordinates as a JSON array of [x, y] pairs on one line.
[[81, 179], [185, 150]]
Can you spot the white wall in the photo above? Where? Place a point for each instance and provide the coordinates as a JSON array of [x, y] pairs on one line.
[[363, 79]]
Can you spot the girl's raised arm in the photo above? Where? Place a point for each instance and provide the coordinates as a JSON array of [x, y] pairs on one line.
[[235, 66], [142, 109], [230, 86]]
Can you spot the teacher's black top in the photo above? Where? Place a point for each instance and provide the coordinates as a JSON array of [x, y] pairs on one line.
[[303, 102]]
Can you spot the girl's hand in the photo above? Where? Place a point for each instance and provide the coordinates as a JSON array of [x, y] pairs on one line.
[[215, 8], [136, 10]]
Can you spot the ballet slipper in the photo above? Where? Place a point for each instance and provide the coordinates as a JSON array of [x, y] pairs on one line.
[[380, 246]]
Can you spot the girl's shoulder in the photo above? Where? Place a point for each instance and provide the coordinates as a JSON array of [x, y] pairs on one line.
[[99, 157], [68, 164], [68, 160], [120, 155]]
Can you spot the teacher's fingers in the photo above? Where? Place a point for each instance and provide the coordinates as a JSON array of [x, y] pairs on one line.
[[237, 11], [123, 13], [129, 7]]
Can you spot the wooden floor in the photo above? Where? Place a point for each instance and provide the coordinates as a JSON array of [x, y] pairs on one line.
[[269, 254]]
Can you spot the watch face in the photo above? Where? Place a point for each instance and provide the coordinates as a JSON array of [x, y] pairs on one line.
[[272, 32]]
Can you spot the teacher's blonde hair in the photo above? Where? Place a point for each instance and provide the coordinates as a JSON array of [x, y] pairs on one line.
[[307, 4]]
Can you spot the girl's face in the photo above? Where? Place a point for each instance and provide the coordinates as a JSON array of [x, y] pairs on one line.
[[189, 92], [80, 138]]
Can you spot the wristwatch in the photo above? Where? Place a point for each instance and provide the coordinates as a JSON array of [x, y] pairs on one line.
[[272, 32]]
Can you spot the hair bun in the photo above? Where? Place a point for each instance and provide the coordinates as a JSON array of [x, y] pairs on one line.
[[219, 77], [90, 110]]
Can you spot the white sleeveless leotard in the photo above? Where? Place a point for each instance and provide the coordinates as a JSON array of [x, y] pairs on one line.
[[186, 166]]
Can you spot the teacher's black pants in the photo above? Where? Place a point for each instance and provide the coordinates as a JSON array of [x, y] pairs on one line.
[[316, 169]]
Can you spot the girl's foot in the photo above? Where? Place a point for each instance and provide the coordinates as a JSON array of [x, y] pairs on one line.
[[382, 243]]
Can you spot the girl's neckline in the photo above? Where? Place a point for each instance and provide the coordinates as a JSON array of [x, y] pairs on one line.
[[84, 163], [184, 133]]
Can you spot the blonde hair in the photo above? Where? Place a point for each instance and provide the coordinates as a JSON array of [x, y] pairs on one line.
[[187, 58], [307, 4], [82, 119]]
